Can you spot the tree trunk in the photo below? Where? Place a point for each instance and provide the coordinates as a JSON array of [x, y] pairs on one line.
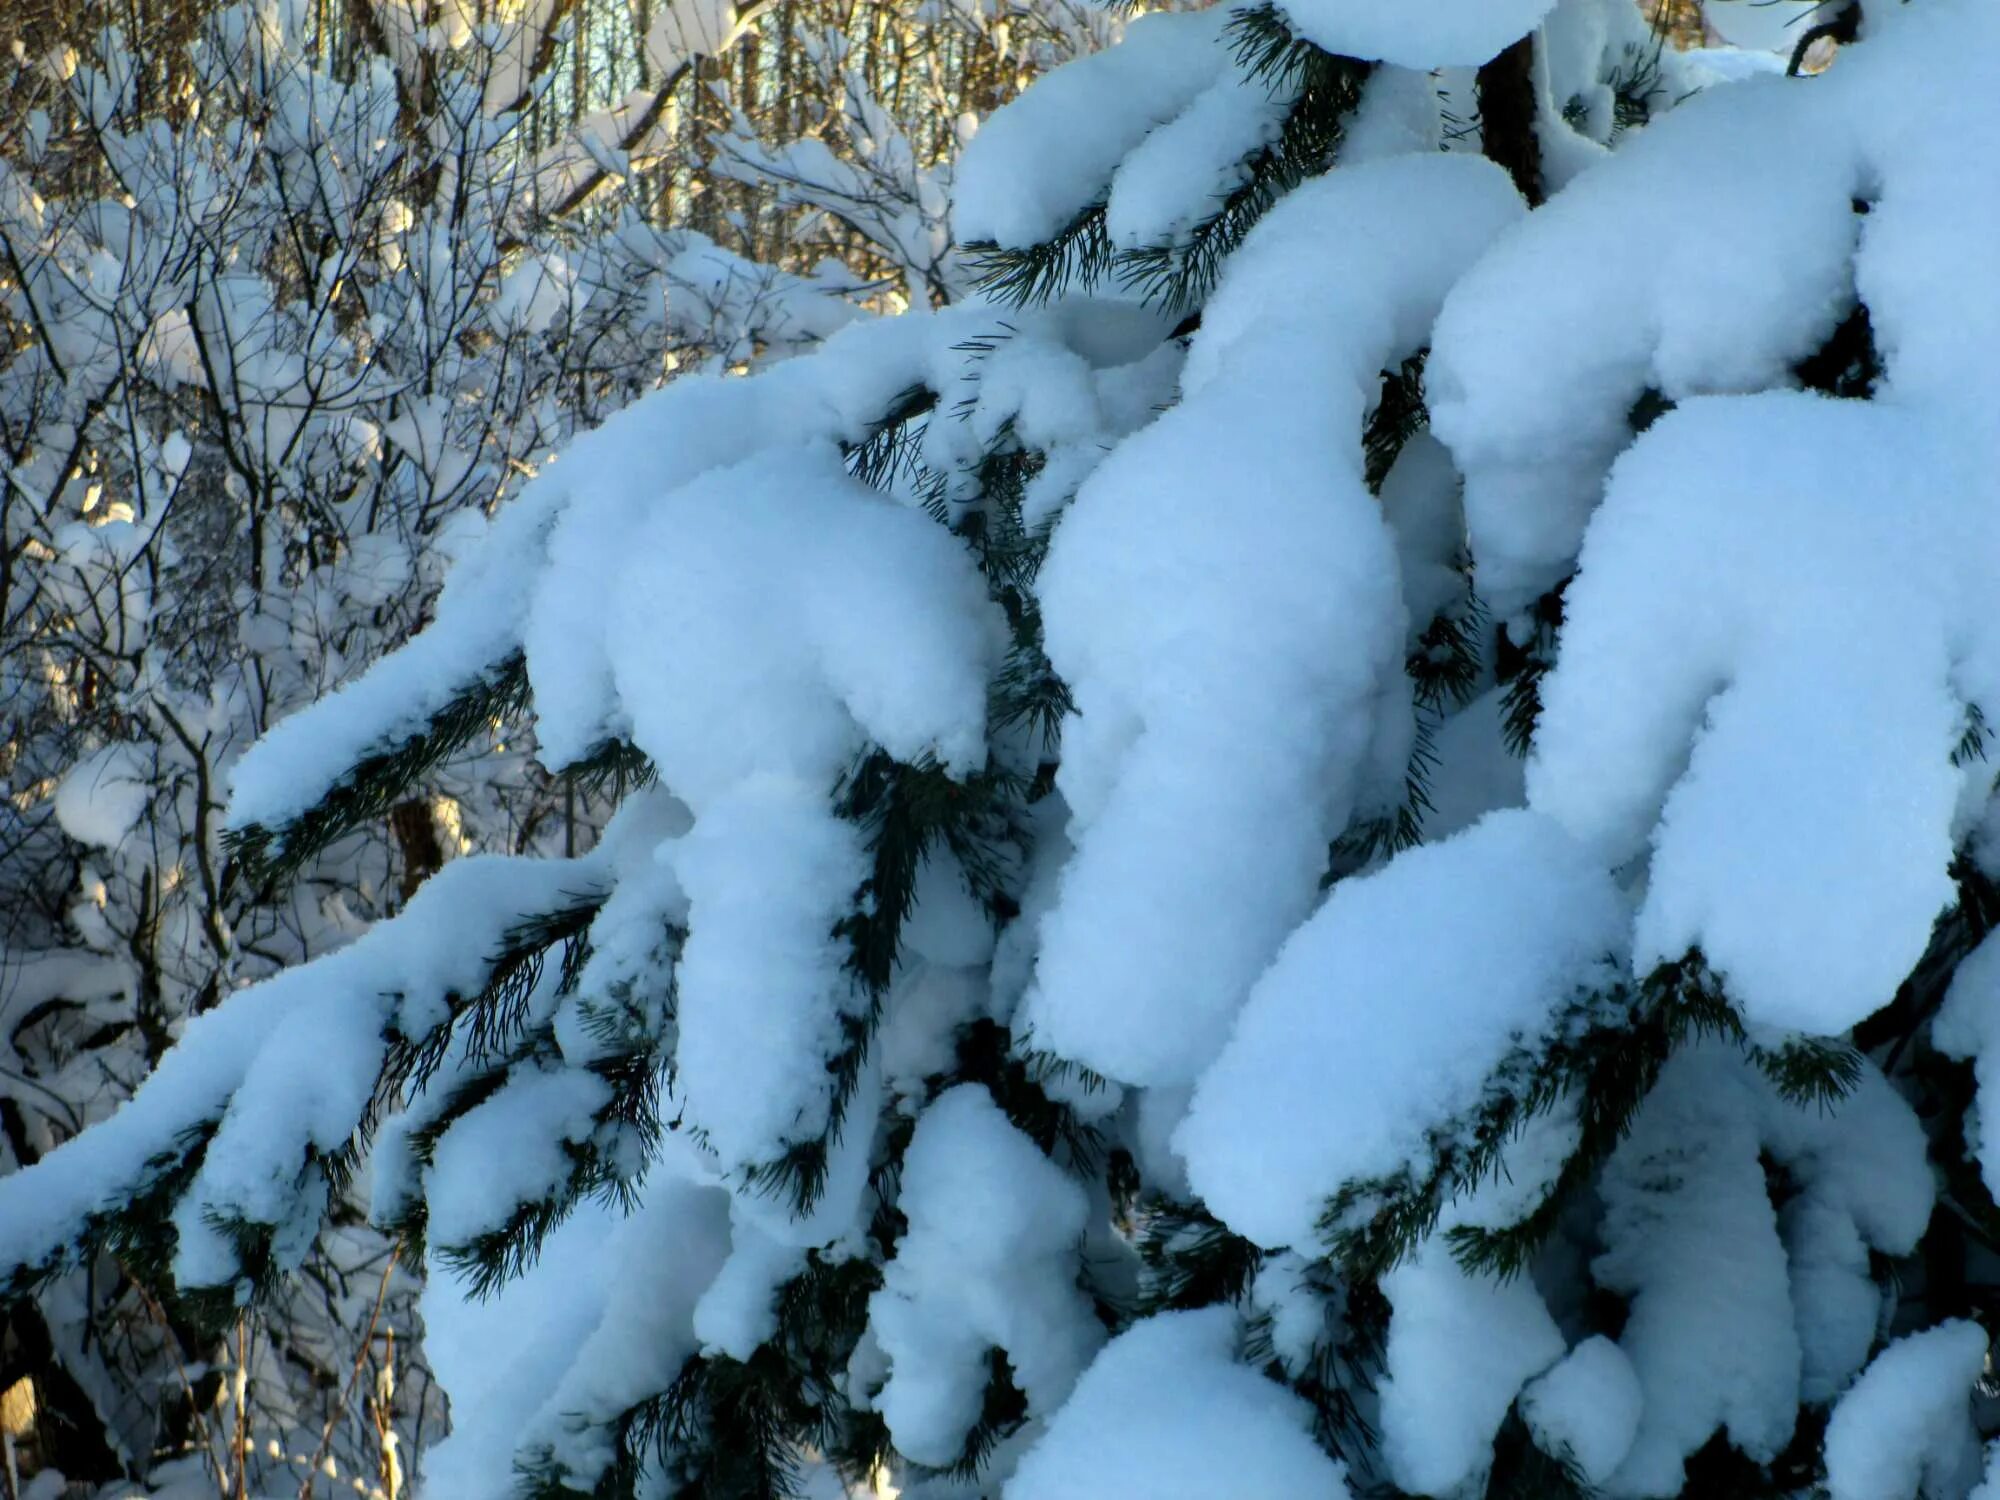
[[417, 842], [1507, 108]]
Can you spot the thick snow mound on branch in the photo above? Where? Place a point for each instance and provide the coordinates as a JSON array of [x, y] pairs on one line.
[[1184, 170], [1222, 599], [1167, 1411], [1690, 1237], [104, 795], [539, 579], [766, 623], [1384, 1016], [1968, 1026], [768, 872], [1586, 1408], [989, 1262], [1542, 352], [1905, 1427], [1739, 1314], [1052, 152], [1862, 1184], [508, 1151], [1788, 754], [776, 616], [602, 1320], [1460, 1347], [1543, 349], [753, 619], [1417, 33]]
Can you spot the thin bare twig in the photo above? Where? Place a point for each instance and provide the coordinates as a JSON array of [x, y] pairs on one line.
[[353, 1376]]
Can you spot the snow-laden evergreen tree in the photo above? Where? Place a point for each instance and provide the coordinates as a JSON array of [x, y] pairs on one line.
[[283, 309], [1337, 845]]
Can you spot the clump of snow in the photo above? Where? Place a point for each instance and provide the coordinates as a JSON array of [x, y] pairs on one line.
[[1738, 1314], [1789, 759], [1379, 1024], [775, 616], [476, 627], [1296, 1310], [600, 1321], [1690, 1237], [1989, 1487], [1786, 739], [508, 1151], [659, 1259], [754, 626], [762, 987], [634, 940], [1460, 1347], [1165, 1410], [104, 795], [989, 1261], [538, 578], [1968, 1026], [1417, 33], [690, 28], [1070, 379], [1221, 599], [1040, 160], [739, 1310], [374, 570], [1905, 1427], [1586, 1408], [1534, 404], [1930, 150], [1542, 350], [1182, 172], [1863, 1184], [1461, 1344]]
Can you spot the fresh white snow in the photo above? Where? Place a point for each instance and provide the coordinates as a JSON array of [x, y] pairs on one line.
[[1378, 1025], [1166, 1410]]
